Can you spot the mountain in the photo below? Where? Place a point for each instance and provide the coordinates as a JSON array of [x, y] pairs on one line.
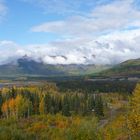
[[127, 68], [26, 66]]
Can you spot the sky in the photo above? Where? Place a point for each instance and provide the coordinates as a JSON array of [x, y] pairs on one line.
[[70, 31]]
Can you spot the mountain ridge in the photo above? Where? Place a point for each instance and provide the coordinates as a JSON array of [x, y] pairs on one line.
[[28, 66]]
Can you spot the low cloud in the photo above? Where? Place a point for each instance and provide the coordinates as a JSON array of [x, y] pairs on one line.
[[106, 49]]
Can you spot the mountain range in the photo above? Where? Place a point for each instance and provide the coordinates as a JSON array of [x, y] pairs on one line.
[[29, 67], [26, 66]]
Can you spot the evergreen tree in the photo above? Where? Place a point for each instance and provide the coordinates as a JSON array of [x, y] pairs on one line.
[[66, 107], [99, 108], [48, 103], [76, 103]]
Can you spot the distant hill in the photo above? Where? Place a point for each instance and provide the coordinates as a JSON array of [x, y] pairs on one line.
[[127, 68], [26, 66]]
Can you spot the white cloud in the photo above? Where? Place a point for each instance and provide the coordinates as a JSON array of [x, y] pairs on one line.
[[103, 18], [106, 49], [108, 34]]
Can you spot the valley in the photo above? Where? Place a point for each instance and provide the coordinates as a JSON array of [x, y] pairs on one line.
[[68, 105]]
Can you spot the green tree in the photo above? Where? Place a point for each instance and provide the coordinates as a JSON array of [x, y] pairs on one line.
[[99, 108], [65, 107]]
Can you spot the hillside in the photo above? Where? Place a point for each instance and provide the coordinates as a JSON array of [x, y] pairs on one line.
[[127, 68], [81, 69]]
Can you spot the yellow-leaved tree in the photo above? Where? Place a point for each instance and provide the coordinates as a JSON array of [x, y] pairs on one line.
[[133, 118], [42, 106]]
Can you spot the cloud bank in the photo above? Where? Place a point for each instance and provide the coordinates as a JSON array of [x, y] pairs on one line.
[[106, 49]]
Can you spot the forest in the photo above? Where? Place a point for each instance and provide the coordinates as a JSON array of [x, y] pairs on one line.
[[44, 112]]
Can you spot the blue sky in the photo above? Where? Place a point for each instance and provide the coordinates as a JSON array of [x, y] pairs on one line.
[[20, 18], [23, 14], [77, 29]]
